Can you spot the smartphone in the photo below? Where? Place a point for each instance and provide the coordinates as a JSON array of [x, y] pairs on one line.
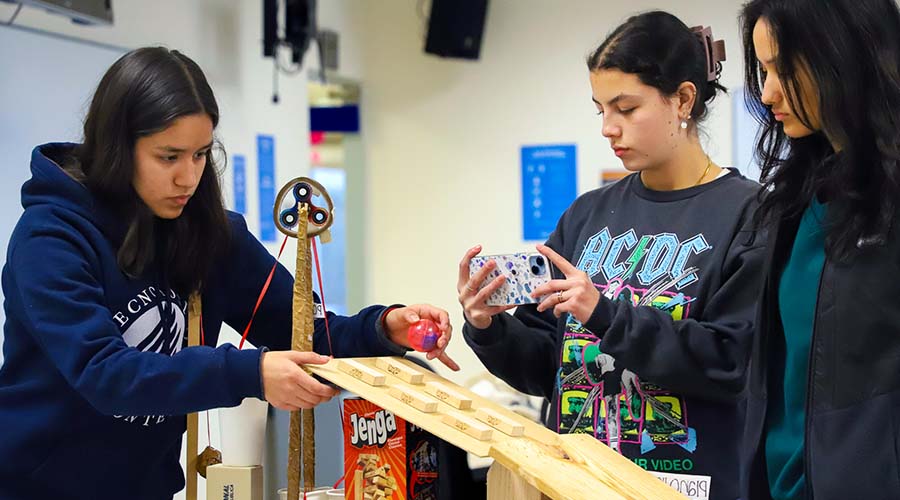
[[524, 272]]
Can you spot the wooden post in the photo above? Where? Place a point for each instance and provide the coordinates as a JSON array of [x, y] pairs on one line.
[[307, 309], [502, 484], [302, 428], [192, 420]]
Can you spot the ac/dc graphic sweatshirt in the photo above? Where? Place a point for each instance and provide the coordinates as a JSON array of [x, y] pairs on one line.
[[658, 370]]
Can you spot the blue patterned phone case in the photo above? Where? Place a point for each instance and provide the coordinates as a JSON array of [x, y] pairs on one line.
[[524, 272]]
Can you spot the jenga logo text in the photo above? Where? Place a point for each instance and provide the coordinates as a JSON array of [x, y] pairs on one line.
[[372, 431]]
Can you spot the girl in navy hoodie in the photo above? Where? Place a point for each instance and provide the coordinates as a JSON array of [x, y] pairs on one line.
[[117, 233]]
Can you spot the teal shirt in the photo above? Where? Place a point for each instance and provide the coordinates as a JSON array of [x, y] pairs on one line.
[[798, 291]]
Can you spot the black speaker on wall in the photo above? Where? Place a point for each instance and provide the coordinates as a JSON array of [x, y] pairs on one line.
[[270, 27], [455, 28], [299, 26]]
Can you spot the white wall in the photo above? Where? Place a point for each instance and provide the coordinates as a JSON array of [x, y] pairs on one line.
[[35, 109], [443, 136]]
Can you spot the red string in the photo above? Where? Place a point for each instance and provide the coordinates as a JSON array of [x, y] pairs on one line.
[[322, 295], [262, 294]]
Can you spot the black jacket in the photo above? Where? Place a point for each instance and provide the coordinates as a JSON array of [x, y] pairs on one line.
[[852, 441]]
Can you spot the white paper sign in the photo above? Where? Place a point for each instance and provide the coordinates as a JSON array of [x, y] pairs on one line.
[[693, 487]]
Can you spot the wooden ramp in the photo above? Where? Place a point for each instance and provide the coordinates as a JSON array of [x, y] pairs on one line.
[[533, 460]]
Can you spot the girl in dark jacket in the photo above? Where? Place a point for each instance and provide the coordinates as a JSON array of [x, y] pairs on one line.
[[824, 413]]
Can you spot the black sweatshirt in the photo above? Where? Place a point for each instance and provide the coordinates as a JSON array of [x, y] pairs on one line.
[[665, 353]]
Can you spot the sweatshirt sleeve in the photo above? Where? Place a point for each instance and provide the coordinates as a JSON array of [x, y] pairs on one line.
[[522, 349], [351, 336], [705, 357]]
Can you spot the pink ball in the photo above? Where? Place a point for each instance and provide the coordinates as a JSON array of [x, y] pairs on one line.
[[423, 335]]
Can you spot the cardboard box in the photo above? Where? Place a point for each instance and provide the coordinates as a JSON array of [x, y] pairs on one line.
[[224, 482], [386, 457]]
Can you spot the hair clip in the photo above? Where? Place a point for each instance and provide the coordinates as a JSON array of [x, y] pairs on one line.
[[714, 50]]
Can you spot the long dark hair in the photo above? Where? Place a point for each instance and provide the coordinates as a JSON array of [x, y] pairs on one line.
[[663, 53], [142, 93], [851, 50]]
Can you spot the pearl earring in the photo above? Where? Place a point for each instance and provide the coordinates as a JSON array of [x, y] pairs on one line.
[[684, 123]]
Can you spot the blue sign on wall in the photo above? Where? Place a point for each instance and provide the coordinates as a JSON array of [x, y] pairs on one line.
[[239, 166], [549, 186], [265, 153]]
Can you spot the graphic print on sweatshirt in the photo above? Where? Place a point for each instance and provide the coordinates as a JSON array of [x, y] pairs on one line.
[[598, 397], [153, 320]]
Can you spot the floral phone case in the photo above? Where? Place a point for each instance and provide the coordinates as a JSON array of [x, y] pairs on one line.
[[524, 272]]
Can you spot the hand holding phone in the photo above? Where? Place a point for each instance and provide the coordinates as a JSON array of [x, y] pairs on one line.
[[523, 273]]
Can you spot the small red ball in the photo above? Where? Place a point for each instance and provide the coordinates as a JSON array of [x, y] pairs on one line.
[[423, 335]]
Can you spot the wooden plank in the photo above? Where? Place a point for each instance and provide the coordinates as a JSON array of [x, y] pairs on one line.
[[470, 426], [417, 401], [380, 396], [533, 430], [362, 372], [602, 472], [548, 469], [400, 370], [605, 463], [450, 396], [540, 457], [500, 421]]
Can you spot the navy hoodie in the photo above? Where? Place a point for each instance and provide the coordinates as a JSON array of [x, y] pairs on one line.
[[97, 378]]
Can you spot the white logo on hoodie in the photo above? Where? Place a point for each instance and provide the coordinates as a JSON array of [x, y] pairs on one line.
[[154, 321], [159, 329]]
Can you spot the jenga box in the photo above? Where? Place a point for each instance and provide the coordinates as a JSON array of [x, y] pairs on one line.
[[386, 457]]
